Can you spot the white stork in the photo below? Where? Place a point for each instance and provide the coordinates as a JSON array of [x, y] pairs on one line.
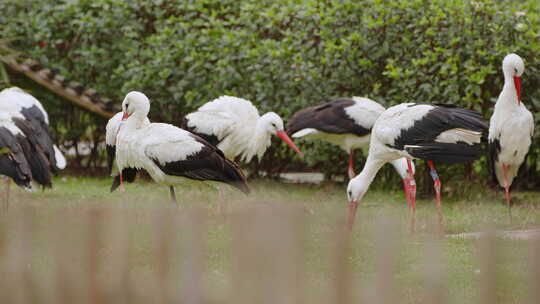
[[111, 132], [21, 157], [16, 100], [511, 127], [13, 162], [233, 125], [346, 123], [435, 133], [169, 154]]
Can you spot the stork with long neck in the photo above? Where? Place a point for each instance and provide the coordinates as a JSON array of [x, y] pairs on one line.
[[511, 127], [435, 133], [233, 125], [170, 155], [347, 123]]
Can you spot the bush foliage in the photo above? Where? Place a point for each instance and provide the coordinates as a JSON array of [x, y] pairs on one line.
[[285, 55]]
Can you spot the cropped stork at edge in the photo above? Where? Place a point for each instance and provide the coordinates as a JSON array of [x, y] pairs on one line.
[[28, 154]]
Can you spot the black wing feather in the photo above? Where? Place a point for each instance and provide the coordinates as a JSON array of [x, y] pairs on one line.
[[210, 138], [32, 146], [12, 160], [422, 134], [207, 164], [329, 117], [111, 154], [41, 129]]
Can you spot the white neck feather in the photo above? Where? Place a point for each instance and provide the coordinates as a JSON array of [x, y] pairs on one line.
[[135, 121], [508, 94], [261, 139], [372, 166]]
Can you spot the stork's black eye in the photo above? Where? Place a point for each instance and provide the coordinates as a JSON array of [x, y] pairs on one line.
[[127, 106], [516, 70], [350, 193]]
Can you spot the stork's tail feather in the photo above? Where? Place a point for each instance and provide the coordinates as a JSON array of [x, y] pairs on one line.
[[236, 177], [447, 153], [39, 165], [11, 168], [34, 149], [128, 175]]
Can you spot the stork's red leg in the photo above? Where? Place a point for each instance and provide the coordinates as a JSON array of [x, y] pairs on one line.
[[507, 190], [437, 186], [351, 164], [406, 190], [411, 193]]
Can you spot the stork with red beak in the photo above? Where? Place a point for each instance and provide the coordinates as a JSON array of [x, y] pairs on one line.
[[435, 133], [511, 127], [170, 155], [233, 125], [111, 132]]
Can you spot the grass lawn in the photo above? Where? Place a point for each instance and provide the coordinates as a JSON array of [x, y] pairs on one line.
[[382, 229]]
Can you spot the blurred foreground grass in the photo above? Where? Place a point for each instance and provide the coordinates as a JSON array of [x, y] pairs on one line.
[[57, 218]]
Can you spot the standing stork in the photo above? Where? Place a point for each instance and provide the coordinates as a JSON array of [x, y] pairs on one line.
[[111, 131], [169, 154], [346, 123], [234, 126], [18, 101], [435, 133], [511, 127]]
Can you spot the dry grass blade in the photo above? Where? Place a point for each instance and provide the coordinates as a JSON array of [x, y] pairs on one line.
[[386, 289], [94, 235], [67, 248], [534, 262], [163, 236], [3, 256], [267, 255], [19, 256], [488, 273], [116, 280], [434, 272], [192, 265], [342, 280]]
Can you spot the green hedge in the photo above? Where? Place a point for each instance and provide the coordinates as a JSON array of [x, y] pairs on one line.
[[285, 55]]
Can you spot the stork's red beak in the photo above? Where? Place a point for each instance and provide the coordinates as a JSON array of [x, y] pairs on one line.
[[125, 116], [283, 135], [517, 83], [353, 205]]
